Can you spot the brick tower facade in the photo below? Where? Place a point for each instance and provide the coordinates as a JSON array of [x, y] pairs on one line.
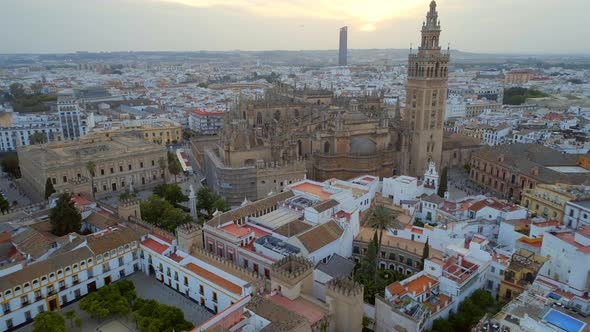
[[426, 95]]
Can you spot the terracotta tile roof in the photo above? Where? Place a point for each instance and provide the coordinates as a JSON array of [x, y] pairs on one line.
[[154, 245], [215, 279], [326, 205], [111, 239], [533, 242], [281, 319], [320, 236], [100, 220], [44, 267], [313, 189], [293, 228], [312, 312], [420, 284], [32, 242]]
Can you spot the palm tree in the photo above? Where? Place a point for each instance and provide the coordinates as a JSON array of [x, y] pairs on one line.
[[162, 164], [91, 167], [382, 219]]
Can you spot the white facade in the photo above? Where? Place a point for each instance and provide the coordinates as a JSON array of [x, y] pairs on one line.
[[208, 123], [72, 280], [577, 213]]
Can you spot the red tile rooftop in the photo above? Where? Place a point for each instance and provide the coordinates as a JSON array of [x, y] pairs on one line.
[[313, 189], [155, 245], [585, 231], [161, 237], [215, 279], [549, 223], [235, 230], [533, 242], [175, 257], [367, 178], [570, 238], [312, 312], [203, 112]]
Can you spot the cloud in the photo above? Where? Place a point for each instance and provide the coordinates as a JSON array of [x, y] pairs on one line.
[[365, 15]]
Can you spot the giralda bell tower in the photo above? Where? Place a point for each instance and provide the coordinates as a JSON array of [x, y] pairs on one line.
[[426, 95]]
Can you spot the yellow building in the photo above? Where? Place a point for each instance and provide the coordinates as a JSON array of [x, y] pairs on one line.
[[548, 200], [162, 132], [521, 272]]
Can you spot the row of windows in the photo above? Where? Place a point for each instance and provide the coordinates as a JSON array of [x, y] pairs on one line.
[[65, 271]]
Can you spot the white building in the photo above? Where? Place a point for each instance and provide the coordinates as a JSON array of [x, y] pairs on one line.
[[205, 122], [87, 264], [72, 122], [577, 213]]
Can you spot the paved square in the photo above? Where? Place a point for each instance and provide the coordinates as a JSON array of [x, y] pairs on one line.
[[114, 326], [151, 289]]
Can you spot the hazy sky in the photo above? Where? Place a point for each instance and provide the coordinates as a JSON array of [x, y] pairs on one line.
[[515, 26]]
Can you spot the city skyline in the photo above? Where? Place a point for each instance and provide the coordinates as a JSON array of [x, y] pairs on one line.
[[64, 26]]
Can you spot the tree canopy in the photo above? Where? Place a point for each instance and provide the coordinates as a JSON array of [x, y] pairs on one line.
[[381, 219], [37, 138], [48, 188], [159, 212], [4, 205], [64, 216], [152, 316], [114, 299], [471, 310], [374, 280], [171, 192], [174, 167], [209, 201], [518, 95], [49, 321], [10, 165]]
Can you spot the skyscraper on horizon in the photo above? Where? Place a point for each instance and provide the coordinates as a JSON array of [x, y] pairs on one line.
[[343, 50], [426, 95]]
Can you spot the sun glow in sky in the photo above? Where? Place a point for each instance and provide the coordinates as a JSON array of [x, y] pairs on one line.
[[496, 26], [364, 15]]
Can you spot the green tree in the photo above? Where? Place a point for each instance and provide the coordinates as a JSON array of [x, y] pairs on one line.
[[444, 179], [48, 188], [114, 299], [209, 201], [49, 321], [37, 138], [17, 90], [382, 219], [64, 216], [163, 166], [4, 205], [171, 192], [10, 165], [467, 168], [91, 167], [425, 252], [159, 212], [153, 316], [174, 168]]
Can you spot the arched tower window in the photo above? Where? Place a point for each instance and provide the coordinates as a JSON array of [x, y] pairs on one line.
[[296, 113], [436, 71], [327, 147], [259, 118], [299, 148], [277, 115]]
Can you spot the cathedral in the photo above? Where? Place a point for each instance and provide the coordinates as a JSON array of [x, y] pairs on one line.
[[292, 133]]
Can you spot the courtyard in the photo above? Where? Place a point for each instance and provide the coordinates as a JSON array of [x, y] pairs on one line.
[[146, 288]]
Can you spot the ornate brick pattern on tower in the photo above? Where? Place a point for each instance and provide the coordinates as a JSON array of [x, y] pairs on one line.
[[426, 95]]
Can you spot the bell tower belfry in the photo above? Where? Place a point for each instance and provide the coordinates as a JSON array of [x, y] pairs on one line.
[[426, 95]]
